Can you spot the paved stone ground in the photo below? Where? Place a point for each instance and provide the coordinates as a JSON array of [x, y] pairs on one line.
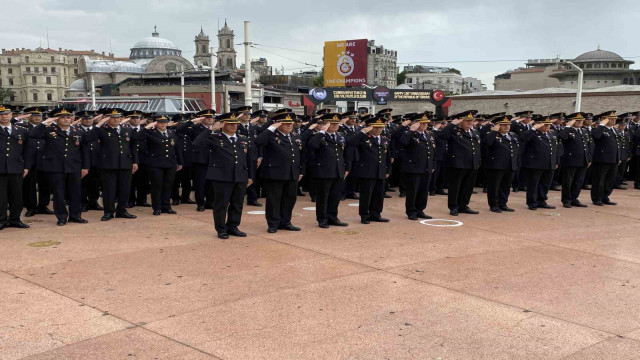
[[553, 284]]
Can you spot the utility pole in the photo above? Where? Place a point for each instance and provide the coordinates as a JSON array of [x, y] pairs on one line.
[[182, 90], [93, 94], [213, 81], [579, 90], [247, 67]]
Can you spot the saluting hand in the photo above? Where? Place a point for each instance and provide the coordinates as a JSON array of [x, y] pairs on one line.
[[414, 126], [49, 121], [102, 121], [406, 123], [216, 126], [537, 126], [25, 173], [604, 122], [495, 128], [313, 126], [324, 127], [456, 121], [151, 125], [179, 168], [172, 123], [367, 129], [570, 123]]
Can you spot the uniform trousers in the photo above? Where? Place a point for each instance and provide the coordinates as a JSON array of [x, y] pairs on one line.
[[572, 181], [461, 183], [10, 197], [36, 197], [498, 186], [182, 180], [227, 204], [162, 180], [603, 177], [115, 181], [538, 185], [281, 198], [90, 192], [371, 197], [328, 196], [139, 186], [66, 186], [202, 186], [417, 189]]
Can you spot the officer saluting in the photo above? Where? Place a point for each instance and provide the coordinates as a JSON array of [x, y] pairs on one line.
[[539, 159], [329, 168], [417, 166], [502, 160], [231, 168], [65, 160], [118, 160], [575, 160], [36, 189], [14, 167], [374, 166], [90, 192], [606, 157]]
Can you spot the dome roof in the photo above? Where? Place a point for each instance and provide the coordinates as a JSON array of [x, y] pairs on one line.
[[154, 42], [153, 46], [599, 55]]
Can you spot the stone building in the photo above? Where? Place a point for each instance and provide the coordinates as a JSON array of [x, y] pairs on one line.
[[382, 67], [203, 54], [226, 51], [41, 77], [431, 78]]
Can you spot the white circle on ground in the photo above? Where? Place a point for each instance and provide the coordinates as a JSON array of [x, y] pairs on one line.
[[354, 204], [256, 212], [450, 223], [311, 208]]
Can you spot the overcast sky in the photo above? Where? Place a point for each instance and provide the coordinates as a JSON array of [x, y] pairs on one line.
[[423, 32]]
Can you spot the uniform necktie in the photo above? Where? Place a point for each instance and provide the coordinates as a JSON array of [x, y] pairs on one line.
[[333, 137], [6, 130], [164, 134], [233, 140]]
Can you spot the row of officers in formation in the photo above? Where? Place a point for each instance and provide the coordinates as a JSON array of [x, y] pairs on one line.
[[125, 156]]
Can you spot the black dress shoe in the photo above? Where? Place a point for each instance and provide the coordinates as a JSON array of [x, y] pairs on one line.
[[566, 205], [323, 225], [495, 209], [515, 190], [386, 196], [402, 194], [300, 193], [555, 188], [424, 216], [532, 207], [30, 212], [618, 187], [546, 206], [254, 203], [364, 221], [96, 207], [378, 219], [608, 202], [44, 211], [170, 211], [453, 212], [289, 227], [157, 212], [223, 235], [474, 192], [272, 230], [17, 224], [506, 208], [61, 223], [2, 225], [84, 208], [432, 193], [522, 188], [624, 183], [130, 205], [412, 217], [578, 204], [337, 222], [188, 201], [353, 197], [389, 190], [586, 187], [175, 202], [598, 203], [441, 192], [236, 232], [125, 215], [106, 217], [313, 199], [200, 208], [469, 211], [78, 220]]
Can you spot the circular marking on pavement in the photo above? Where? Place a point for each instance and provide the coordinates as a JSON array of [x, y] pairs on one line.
[[31, 221], [346, 232], [256, 212], [354, 204], [43, 243], [446, 222], [310, 208], [296, 214], [547, 214]]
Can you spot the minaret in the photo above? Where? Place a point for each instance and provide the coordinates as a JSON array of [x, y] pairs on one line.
[[226, 52], [202, 56]]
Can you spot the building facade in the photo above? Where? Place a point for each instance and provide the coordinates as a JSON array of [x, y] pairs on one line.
[[41, 77], [473, 85], [203, 54], [430, 78], [382, 67], [226, 51]]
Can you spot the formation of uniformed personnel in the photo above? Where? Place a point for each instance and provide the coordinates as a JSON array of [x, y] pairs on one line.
[[502, 160], [118, 160], [90, 183], [14, 167], [65, 160], [329, 168], [539, 160], [575, 160], [36, 189], [281, 168], [140, 187], [231, 169], [248, 128]]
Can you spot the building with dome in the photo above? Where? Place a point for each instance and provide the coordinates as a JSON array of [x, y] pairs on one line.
[[601, 69]]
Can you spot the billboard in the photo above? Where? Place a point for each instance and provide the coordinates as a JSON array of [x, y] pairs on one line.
[[345, 63]]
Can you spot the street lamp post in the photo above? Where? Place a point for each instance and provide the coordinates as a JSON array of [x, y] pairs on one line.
[[213, 81], [579, 90]]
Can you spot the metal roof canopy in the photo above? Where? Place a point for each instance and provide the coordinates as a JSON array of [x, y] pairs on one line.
[[157, 104]]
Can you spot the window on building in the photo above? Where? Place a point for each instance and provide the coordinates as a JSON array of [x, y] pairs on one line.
[[34, 80], [230, 62], [228, 43], [26, 59], [64, 71], [10, 71], [0, 82], [203, 49], [631, 82], [75, 71], [53, 70], [75, 60], [65, 81], [27, 69], [48, 80], [598, 65], [44, 69], [49, 97], [625, 81], [8, 60], [35, 96], [605, 65], [11, 81], [36, 69], [53, 59], [12, 98], [409, 80]]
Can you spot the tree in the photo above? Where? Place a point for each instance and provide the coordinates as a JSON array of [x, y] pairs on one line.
[[454, 70], [5, 93], [402, 76], [318, 81]]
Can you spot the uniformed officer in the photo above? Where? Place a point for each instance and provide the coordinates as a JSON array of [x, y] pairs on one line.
[[36, 188], [66, 161], [587, 126], [199, 156], [439, 176], [183, 178], [521, 122], [118, 160], [348, 129], [606, 157], [248, 128], [281, 169], [329, 169], [502, 160], [417, 165], [231, 168], [539, 159], [575, 160], [17, 114], [463, 161], [140, 179], [557, 125], [164, 159], [374, 166], [624, 143], [14, 167], [90, 189]]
